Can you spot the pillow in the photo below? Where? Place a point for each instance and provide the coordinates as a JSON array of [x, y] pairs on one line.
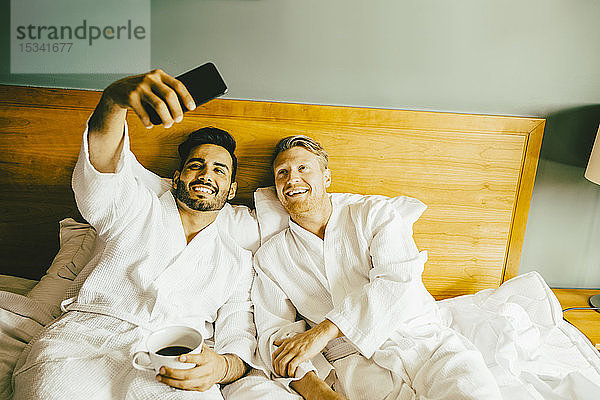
[[77, 243], [273, 218]]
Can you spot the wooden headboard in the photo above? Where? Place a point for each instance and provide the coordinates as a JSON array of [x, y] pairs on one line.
[[475, 172]]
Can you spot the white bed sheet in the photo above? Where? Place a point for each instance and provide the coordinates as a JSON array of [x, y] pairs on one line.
[[533, 353]]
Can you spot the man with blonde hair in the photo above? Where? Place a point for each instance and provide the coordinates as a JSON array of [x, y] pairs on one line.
[[339, 294]]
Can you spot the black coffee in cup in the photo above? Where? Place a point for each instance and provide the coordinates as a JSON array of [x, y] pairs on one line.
[[163, 347], [173, 351]]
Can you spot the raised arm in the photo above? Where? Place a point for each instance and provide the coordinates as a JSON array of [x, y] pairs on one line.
[[155, 89], [105, 178]]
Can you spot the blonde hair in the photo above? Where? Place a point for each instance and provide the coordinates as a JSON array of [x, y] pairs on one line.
[[302, 141]]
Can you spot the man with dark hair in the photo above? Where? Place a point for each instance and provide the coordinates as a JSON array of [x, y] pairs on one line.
[[213, 136], [208, 135], [164, 257]]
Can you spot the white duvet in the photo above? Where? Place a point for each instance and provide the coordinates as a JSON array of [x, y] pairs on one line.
[[532, 352]]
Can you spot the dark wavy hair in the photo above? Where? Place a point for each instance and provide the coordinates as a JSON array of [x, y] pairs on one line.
[[208, 135]]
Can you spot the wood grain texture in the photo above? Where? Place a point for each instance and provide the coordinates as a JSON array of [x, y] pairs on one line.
[[587, 321], [474, 172], [526, 181]]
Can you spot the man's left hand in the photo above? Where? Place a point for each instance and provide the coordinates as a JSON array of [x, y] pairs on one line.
[[302, 347], [210, 369]]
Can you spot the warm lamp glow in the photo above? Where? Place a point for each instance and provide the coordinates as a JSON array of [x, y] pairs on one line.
[[592, 171]]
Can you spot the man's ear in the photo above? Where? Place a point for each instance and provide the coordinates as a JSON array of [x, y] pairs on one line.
[[175, 180], [232, 190], [327, 177]]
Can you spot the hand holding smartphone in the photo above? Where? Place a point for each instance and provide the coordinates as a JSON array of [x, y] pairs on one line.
[[204, 83]]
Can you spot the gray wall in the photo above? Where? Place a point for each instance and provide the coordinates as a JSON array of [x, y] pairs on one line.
[[509, 57]]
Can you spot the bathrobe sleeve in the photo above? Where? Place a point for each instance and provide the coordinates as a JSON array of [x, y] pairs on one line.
[[395, 294], [235, 332], [108, 201], [275, 316]]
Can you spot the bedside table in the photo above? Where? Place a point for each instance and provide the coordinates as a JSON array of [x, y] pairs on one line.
[[587, 321]]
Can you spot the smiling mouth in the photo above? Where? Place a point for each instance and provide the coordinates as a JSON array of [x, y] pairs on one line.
[[203, 189], [295, 192]]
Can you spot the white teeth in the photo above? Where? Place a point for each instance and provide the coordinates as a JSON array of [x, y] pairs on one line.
[[203, 190], [295, 192]]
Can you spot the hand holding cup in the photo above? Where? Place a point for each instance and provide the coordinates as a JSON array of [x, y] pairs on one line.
[[166, 345]]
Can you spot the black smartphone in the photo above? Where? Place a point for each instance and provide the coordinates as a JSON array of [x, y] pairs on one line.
[[204, 84]]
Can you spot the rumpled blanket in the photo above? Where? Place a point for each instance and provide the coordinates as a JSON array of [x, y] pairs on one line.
[[530, 349], [21, 318], [533, 353]]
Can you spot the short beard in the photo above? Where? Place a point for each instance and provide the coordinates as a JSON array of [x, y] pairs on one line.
[[183, 194], [299, 208]]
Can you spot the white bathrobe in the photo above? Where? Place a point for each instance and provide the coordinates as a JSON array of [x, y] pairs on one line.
[[144, 276], [365, 276]]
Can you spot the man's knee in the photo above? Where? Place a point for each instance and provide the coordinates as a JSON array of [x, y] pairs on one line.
[[360, 378]]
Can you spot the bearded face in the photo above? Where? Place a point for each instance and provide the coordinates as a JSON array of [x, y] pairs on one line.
[[201, 196], [204, 183]]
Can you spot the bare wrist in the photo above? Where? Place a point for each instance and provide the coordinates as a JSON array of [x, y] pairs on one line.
[[225, 369], [105, 112]]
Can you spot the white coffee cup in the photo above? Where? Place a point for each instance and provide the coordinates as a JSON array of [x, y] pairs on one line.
[[167, 341]]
